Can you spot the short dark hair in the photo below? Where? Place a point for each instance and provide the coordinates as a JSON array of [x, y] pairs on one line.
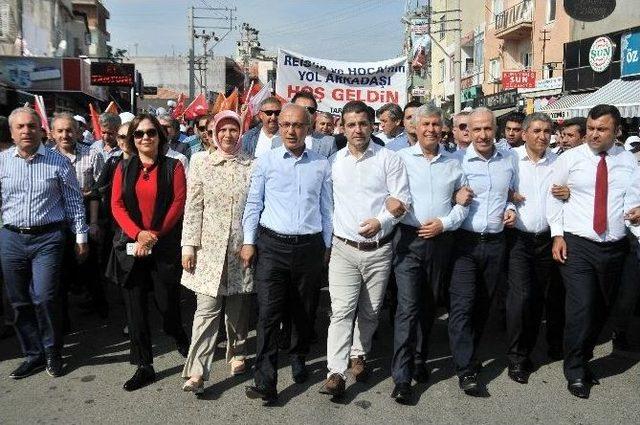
[[412, 104], [581, 122], [358, 107], [515, 117], [602, 110], [393, 109], [305, 94], [162, 136]]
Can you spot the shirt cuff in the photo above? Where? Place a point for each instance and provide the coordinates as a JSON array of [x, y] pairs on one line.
[[556, 230], [82, 238], [446, 223], [188, 250], [249, 238]]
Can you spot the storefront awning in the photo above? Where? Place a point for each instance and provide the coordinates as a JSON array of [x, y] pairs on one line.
[[560, 108], [624, 94]]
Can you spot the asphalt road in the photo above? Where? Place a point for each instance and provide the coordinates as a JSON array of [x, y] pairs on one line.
[[96, 356]]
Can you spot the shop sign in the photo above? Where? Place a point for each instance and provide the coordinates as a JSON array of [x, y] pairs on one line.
[[502, 100], [601, 54], [112, 74], [419, 92], [589, 10], [518, 79], [630, 54], [470, 93], [553, 83]]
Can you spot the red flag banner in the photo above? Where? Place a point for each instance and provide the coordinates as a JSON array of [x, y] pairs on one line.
[[95, 122], [231, 102], [179, 109], [197, 108]]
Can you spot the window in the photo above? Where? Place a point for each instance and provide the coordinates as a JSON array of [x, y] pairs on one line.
[[478, 49], [443, 27], [551, 10], [468, 65], [494, 70], [441, 70], [527, 60], [496, 7], [5, 15]]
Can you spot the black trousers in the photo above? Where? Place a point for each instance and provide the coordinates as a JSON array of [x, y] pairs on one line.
[[478, 263], [591, 277], [629, 291], [533, 278], [76, 276], [163, 279], [287, 277], [421, 269]]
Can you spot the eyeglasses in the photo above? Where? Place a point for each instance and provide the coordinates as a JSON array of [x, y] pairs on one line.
[[462, 126], [271, 112], [311, 109], [202, 128], [294, 125], [139, 134], [210, 133], [121, 136]]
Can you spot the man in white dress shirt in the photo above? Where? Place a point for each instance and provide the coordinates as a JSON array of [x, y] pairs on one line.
[[259, 140], [532, 271], [423, 245], [588, 233], [367, 178]]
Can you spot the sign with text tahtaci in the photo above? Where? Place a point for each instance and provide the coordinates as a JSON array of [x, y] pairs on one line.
[[335, 83]]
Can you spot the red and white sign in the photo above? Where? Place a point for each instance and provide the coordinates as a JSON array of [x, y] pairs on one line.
[[518, 80]]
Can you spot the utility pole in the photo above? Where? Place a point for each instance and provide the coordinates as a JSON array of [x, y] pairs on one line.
[[196, 17], [457, 58], [246, 47], [192, 73], [544, 40]]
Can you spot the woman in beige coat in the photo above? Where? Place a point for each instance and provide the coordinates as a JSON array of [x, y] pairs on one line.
[[211, 240]]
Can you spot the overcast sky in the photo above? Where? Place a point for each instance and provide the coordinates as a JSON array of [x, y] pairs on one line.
[[357, 30]]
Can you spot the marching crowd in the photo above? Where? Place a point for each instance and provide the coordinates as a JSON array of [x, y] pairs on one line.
[[441, 211]]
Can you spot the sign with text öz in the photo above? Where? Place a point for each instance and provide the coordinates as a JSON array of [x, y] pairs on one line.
[[334, 83], [518, 79]]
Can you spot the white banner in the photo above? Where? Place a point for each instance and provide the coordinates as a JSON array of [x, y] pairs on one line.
[[335, 83]]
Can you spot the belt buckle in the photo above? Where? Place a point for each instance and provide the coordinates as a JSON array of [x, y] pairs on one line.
[[24, 230], [294, 239]]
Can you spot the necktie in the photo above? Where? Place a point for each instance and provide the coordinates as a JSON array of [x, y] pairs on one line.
[[600, 204]]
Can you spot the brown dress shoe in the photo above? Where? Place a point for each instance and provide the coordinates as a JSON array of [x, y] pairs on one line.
[[334, 385], [359, 369]]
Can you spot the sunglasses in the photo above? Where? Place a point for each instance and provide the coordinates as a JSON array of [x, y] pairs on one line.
[[311, 109], [121, 136], [272, 112], [462, 127], [202, 128], [139, 134]]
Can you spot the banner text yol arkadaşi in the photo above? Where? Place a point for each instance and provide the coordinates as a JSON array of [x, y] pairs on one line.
[[335, 83]]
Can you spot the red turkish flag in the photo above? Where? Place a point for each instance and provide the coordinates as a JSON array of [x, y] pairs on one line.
[[197, 108], [179, 109], [95, 122]]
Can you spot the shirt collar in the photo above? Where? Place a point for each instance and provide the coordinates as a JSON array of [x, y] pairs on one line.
[[40, 151], [471, 153], [523, 155], [287, 153], [372, 148], [417, 151]]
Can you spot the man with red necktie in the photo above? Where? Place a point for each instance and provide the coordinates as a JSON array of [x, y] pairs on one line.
[[589, 236]]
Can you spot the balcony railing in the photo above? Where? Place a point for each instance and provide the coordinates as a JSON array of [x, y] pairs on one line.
[[519, 14]]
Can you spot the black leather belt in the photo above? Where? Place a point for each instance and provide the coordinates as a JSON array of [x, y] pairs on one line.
[[35, 230], [290, 239], [536, 236], [366, 246], [481, 237]]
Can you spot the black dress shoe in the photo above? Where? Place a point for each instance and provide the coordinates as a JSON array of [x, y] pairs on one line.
[[54, 365], [269, 396], [28, 368], [519, 372], [590, 378], [421, 373], [469, 384], [579, 388], [402, 393], [144, 376], [299, 371]]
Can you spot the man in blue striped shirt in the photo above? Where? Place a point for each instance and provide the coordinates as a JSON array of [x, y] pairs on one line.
[[40, 198]]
